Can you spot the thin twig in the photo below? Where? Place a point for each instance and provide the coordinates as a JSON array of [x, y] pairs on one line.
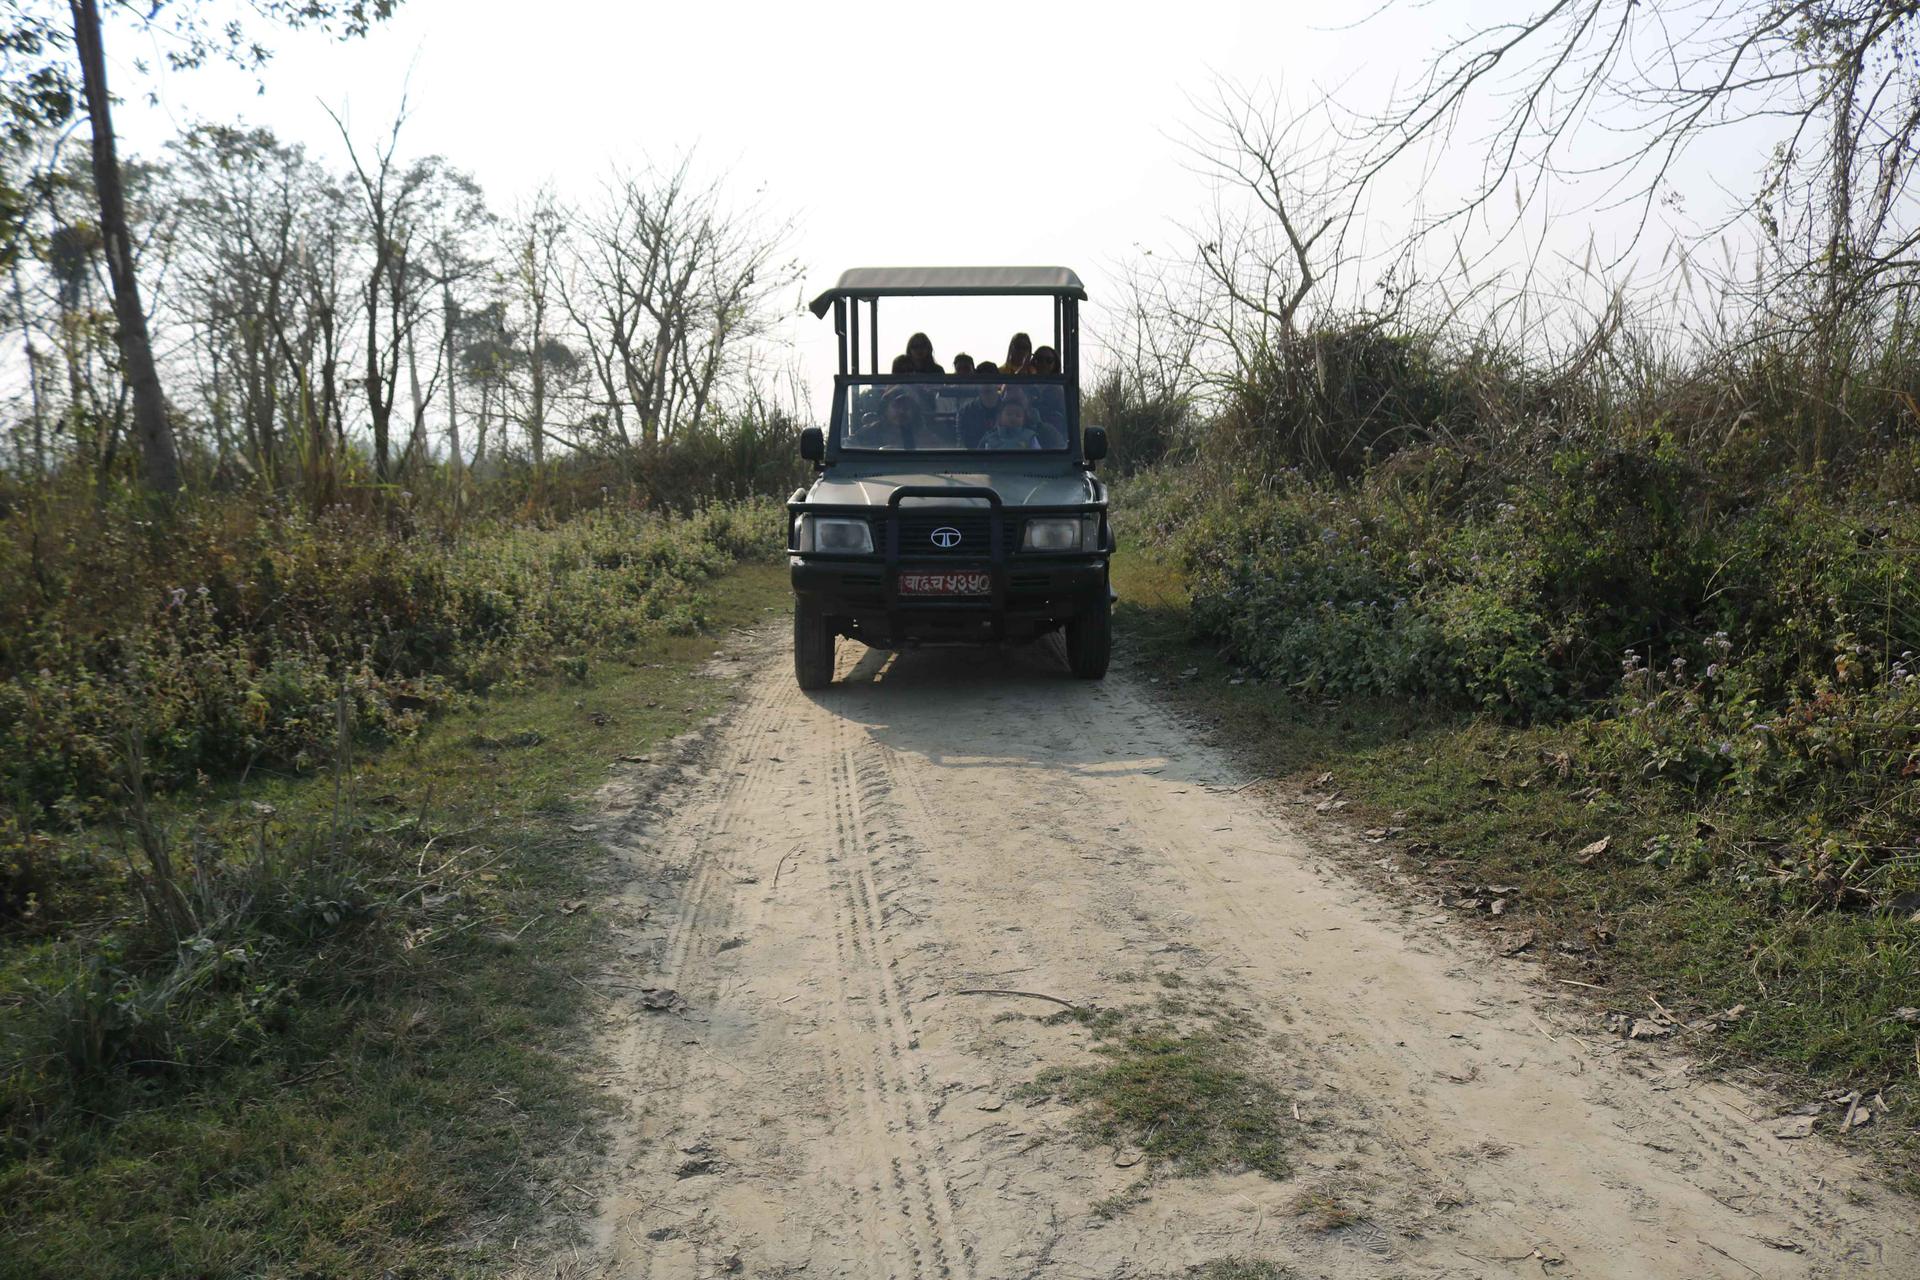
[[780, 865], [1030, 995], [1723, 1253]]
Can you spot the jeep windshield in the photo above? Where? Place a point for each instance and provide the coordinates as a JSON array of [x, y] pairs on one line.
[[934, 414]]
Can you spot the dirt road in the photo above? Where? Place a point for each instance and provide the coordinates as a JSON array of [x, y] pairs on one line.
[[813, 893]]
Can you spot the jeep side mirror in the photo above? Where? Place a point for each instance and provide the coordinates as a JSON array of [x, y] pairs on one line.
[[1096, 444], [813, 445]]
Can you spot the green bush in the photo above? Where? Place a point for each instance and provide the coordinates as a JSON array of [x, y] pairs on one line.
[[1747, 647], [1518, 594], [229, 639]]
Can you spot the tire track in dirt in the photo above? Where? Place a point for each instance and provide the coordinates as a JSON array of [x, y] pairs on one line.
[[846, 862], [893, 1090], [701, 910]]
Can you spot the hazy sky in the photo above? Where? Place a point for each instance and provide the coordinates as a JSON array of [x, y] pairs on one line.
[[893, 134]]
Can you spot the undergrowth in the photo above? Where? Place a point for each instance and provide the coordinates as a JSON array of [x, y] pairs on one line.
[[1750, 651], [224, 635], [1707, 895], [290, 986]]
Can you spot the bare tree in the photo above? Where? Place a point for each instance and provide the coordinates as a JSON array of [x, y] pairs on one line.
[[535, 245], [673, 289], [391, 200], [455, 221], [41, 81], [1617, 91]]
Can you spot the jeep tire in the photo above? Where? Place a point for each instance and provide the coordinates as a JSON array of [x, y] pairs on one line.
[[1090, 639], [813, 637]]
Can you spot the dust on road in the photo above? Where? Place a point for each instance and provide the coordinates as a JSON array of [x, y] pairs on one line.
[[806, 1092]]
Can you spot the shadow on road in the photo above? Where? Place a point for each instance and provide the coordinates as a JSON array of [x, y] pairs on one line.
[[996, 708]]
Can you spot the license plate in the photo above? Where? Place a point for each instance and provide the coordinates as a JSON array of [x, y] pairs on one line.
[[942, 582]]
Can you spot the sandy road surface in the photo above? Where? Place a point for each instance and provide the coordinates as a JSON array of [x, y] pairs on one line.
[[824, 873]]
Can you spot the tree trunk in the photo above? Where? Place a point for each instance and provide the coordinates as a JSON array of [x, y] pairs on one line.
[[416, 454], [537, 409], [160, 463], [1831, 364], [33, 375], [379, 411], [453, 374], [480, 443]]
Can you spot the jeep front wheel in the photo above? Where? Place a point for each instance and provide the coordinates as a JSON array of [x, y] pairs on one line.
[[813, 638], [1090, 639]]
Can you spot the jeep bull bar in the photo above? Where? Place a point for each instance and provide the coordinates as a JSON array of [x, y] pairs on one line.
[[1024, 586]]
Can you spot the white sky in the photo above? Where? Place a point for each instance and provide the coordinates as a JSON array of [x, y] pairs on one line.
[[937, 134]]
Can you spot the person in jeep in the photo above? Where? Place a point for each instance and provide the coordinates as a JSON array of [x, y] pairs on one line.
[[1010, 430], [978, 415], [898, 425], [951, 509]]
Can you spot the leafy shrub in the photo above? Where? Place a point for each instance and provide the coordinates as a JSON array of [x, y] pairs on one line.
[[230, 638], [1749, 648], [1517, 594], [1825, 780]]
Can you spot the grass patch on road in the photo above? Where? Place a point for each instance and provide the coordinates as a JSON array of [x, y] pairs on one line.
[[1189, 1095], [1474, 803], [361, 1055], [1238, 1269]]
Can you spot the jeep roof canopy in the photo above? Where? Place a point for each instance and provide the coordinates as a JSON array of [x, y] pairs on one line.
[[921, 282], [870, 284]]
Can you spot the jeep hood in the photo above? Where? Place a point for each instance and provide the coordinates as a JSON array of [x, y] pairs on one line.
[[875, 488]]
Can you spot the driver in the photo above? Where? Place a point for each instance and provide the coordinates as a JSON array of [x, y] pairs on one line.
[[1010, 430], [896, 426]]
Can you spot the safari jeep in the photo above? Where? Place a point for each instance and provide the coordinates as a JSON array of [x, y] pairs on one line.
[[939, 515]]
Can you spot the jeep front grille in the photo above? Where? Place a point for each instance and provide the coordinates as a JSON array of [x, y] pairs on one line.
[[946, 533]]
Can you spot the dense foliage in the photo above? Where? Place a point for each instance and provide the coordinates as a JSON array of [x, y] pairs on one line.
[[231, 633], [1742, 635]]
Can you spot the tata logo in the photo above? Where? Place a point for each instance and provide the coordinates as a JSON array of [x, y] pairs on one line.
[[946, 537]]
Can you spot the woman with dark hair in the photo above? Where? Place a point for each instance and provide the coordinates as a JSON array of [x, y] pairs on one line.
[[919, 356], [1048, 403], [1019, 356]]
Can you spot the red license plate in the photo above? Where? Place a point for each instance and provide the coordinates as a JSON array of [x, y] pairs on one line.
[[941, 582]]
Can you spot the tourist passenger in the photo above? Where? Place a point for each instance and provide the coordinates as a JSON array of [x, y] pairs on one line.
[[919, 356], [1019, 359], [962, 365], [1010, 429], [978, 415], [1048, 403]]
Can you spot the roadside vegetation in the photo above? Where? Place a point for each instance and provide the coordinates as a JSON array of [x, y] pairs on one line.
[[1609, 658], [1591, 591], [350, 527], [291, 944]]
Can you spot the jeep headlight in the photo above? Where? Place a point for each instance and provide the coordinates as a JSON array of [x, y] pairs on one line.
[[1062, 533], [835, 536]]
